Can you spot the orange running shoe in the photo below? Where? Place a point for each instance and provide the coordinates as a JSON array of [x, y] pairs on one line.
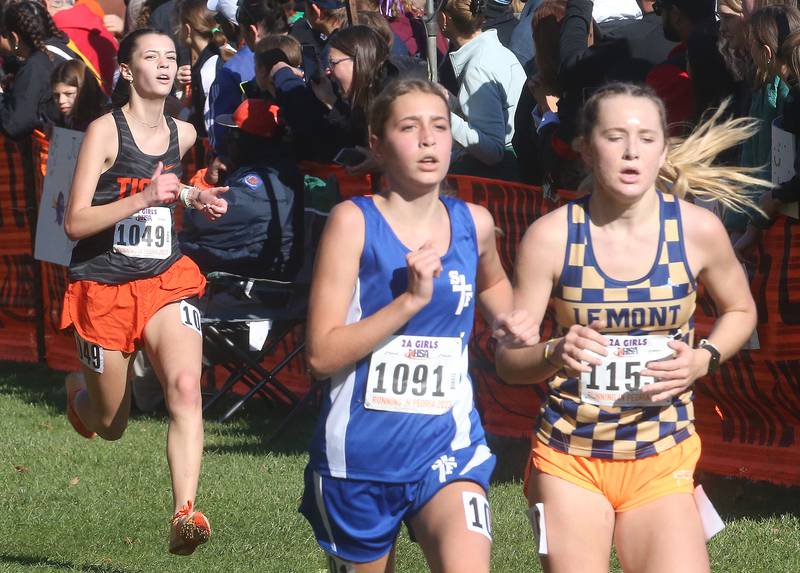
[[189, 529], [74, 384]]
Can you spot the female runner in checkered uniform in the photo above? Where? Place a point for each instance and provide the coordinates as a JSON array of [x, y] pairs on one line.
[[614, 452], [396, 282], [130, 287]]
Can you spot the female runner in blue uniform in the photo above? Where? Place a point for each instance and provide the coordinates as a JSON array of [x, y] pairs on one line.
[[130, 287], [615, 449], [395, 286]]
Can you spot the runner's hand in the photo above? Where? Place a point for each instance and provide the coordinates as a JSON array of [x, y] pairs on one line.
[[163, 187], [424, 265], [211, 204], [515, 329], [571, 349], [675, 375]]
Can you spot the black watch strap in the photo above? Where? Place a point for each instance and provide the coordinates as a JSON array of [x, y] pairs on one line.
[[713, 364]]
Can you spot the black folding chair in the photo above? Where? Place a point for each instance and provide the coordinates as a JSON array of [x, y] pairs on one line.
[[234, 301], [230, 307]]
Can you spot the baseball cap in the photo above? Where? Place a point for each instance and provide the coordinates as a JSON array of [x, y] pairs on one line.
[[227, 8], [328, 4], [692, 8], [253, 116]]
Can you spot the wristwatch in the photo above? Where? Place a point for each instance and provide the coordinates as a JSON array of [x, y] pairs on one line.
[[713, 364]]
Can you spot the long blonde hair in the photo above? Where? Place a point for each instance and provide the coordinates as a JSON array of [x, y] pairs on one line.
[[689, 169]]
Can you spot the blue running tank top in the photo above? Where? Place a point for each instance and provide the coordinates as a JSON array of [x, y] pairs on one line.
[[660, 303], [353, 440]]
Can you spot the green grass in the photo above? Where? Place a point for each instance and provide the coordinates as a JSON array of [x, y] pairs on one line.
[[68, 504]]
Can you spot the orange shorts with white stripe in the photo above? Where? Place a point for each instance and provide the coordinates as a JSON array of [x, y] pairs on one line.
[[626, 484], [114, 316]]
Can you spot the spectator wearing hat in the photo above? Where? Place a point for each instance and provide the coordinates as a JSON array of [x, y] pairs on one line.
[[90, 36], [644, 37], [325, 17], [257, 238], [681, 19], [500, 16]]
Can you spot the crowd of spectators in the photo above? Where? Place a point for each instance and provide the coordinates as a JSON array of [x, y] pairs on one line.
[[517, 75]]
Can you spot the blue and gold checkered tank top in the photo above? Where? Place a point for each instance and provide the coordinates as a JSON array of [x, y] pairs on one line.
[[661, 302]]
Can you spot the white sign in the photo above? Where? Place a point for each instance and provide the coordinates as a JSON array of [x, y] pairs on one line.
[[783, 156], [52, 244]]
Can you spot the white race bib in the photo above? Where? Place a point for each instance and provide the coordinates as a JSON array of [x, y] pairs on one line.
[[414, 374], [146, 234], [617, 382]]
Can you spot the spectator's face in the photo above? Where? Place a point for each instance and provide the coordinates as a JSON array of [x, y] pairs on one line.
[[668, 15], [626, 147], [153, 66], [731, 27], [416, 143], [64, 95], [340, 70]]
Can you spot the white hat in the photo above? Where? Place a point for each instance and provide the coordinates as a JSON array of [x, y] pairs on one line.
[[604, 10], [225, 7]]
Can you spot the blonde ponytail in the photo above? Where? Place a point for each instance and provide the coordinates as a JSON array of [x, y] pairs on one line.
[[690, 169]]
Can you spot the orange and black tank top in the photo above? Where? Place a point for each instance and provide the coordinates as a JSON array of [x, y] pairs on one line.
[[661, 302], [102, 257]]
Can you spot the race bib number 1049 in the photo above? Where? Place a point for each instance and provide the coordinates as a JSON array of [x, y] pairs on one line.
[[146, 234], [415, 374], [618, 380]]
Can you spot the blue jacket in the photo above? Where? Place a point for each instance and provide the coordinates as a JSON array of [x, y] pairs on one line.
[[226, 92], [256, 237]]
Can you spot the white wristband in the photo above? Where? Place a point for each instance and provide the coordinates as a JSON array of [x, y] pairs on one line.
[[185, 198]]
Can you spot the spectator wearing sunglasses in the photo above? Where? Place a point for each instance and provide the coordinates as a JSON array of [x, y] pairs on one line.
[[681, 19]]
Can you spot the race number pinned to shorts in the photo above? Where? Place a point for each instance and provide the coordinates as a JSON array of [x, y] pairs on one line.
[[146, 234], [617, 381], [190, 316], [414, 374], [477, 514], [536, 517], [90, 354]]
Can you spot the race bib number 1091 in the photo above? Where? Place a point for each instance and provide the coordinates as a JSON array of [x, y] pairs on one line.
[[414, 374], [618, 380]]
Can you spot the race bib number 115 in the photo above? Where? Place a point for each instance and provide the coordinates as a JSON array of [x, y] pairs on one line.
[[618, 380]]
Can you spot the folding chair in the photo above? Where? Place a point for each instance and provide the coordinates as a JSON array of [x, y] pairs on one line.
[[235, 310], [236, 307]]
